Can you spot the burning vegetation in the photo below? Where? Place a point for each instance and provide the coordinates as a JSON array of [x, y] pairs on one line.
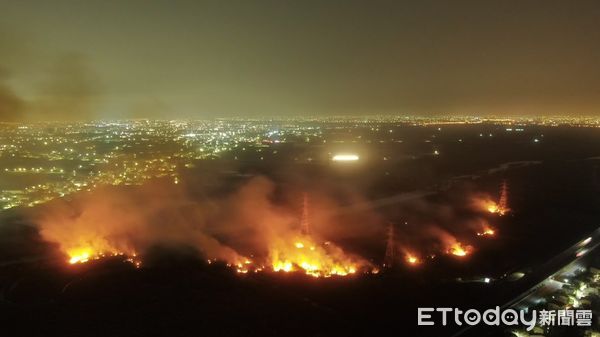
[[459, 249], [260, 236], [411, 259], [272, 235], [487, 231], [487, 204], [319, 260], [83, 255]]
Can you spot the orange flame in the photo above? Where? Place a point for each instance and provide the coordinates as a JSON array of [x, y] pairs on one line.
[[495, 208], [485, 204], [492, 207], [243, 266], [487, 231], [83, 255], [460, 250], [304, 255], [79, 255], [412, 259]]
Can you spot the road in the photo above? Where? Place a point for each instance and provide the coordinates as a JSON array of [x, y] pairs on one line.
[[565, 262]]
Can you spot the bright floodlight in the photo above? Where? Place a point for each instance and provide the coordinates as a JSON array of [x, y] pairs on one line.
[[345, 157]]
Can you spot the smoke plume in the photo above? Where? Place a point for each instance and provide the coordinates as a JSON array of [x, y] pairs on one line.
[[256, 223], [61, 87]]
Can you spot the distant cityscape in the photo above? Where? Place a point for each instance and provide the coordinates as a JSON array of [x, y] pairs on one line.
[[44, 161]]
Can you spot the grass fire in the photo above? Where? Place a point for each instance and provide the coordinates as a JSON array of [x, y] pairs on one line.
[[459, 249], [487, 204], [262, 236], [318, 260]]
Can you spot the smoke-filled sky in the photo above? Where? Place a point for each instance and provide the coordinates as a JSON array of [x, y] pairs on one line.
[[195, 59]]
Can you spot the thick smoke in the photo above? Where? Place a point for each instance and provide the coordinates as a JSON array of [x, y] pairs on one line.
[[64, 87], [70, 91], [149, 108], [11, 106], [437, 224], [132, 221], [257, 221]]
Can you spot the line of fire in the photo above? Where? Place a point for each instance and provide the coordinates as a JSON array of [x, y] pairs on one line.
[[302, 250]]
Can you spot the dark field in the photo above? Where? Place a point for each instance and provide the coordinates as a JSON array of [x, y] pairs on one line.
[[554, 204]]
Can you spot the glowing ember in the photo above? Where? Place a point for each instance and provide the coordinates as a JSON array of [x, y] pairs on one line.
[[458, 249], [315, 260], [137, 263], [412, 259], [244, 266], [487, 231]]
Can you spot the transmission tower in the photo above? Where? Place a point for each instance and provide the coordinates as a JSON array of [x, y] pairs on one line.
[[390, 250], [503, 202], [304, 222]]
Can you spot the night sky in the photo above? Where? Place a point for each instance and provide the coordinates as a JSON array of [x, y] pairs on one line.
[[195, 59]]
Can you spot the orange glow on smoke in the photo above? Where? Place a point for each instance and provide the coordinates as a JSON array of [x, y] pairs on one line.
[[83, 241], [491, 205]]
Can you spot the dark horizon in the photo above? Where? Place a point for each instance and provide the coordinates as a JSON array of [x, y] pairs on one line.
[[71, 60]]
